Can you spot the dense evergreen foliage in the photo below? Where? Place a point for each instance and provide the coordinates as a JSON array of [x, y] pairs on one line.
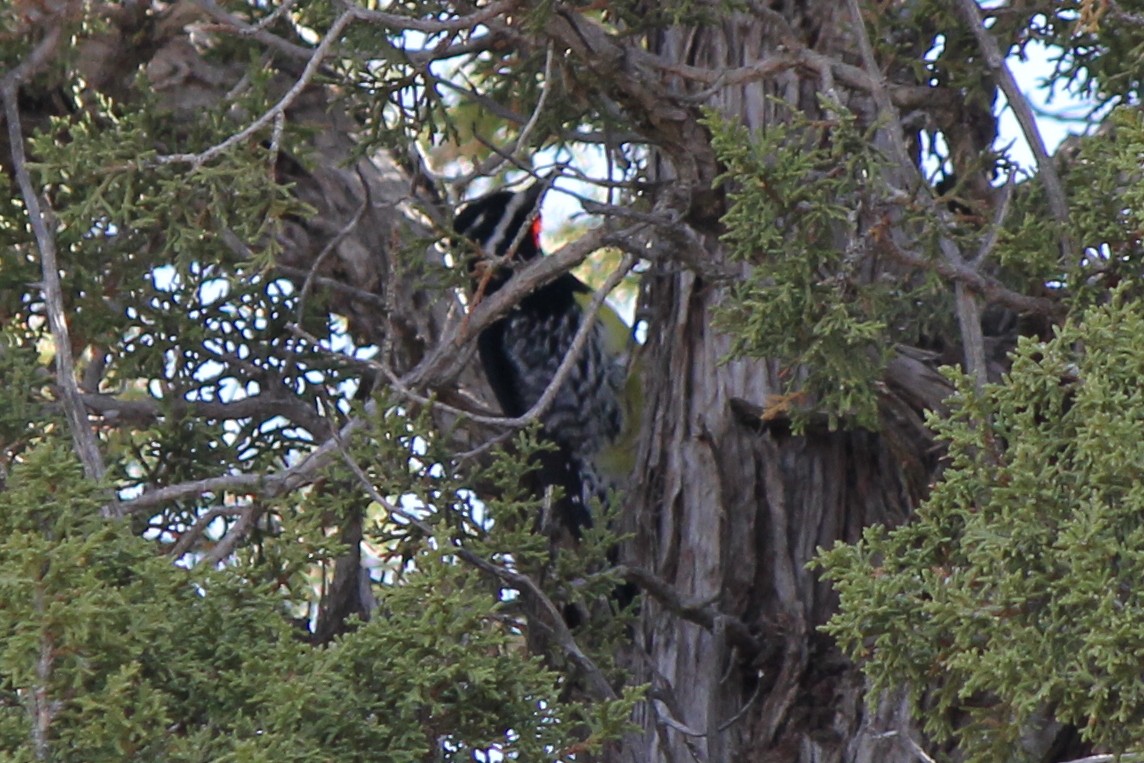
[[256, 503]]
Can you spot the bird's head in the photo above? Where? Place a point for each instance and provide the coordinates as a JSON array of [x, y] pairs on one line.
[[503, 223]]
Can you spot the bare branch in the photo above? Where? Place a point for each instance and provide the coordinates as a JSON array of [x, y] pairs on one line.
[[700, 613], [454, 24], [663, 712], [257, 32], [972, 338], [83, 437], [1046, 170], [115, 410], [917, 749], [999, 215], [312, 67], [993, 290], [241, 483], [747, 705], [239, 530], [188, 538]]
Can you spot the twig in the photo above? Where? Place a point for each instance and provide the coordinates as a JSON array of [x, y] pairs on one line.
[[457, 24], [267, 405], [246, 483], [968, 311], [258, 32], [743, 710], [273, 16], [312, 67], [1046, 170], [663, 712], [989, 243], [490, 165], [700, 613], [83, 437], [195, 531], [522, 583], [330, 246], [239, 530], [917, 749]]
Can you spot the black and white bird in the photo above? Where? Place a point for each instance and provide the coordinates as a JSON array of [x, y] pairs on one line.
[[592, 421]]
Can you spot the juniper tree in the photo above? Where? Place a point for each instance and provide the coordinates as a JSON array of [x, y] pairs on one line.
[[259, 502]]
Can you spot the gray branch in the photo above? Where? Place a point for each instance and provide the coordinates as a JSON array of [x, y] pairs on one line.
[[84, 439], [1046, 171]]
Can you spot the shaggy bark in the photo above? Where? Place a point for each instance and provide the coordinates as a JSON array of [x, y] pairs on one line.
[[730, 512]]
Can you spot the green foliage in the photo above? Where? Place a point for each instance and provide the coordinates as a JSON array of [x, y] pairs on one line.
[[110, 650], [111, 653], [1099, 47], [1015, 590], [806, 297]]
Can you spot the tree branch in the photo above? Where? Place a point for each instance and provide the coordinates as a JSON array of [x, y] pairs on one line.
[[188, 538], [115, 410], [520, 582], [312, 67], [993, 290], [970, 14], [702, 614], [443, 362], [83, 437]]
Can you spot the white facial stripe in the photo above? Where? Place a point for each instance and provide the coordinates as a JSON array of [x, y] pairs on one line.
[[501, 231], [477, 222]]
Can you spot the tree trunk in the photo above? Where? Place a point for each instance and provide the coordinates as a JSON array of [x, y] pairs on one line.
[[729, 512]]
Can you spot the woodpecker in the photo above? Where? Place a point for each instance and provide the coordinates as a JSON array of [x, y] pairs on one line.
[[592, 421]]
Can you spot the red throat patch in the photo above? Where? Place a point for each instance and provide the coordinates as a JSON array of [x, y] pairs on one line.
[[536, 231]]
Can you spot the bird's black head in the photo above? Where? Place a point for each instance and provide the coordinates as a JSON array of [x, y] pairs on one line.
[[496, 222]]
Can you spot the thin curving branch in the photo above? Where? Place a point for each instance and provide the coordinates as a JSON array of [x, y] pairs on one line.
[[993, 290], [1046, 171], [83, 437], [270, 115], [115, 411]]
